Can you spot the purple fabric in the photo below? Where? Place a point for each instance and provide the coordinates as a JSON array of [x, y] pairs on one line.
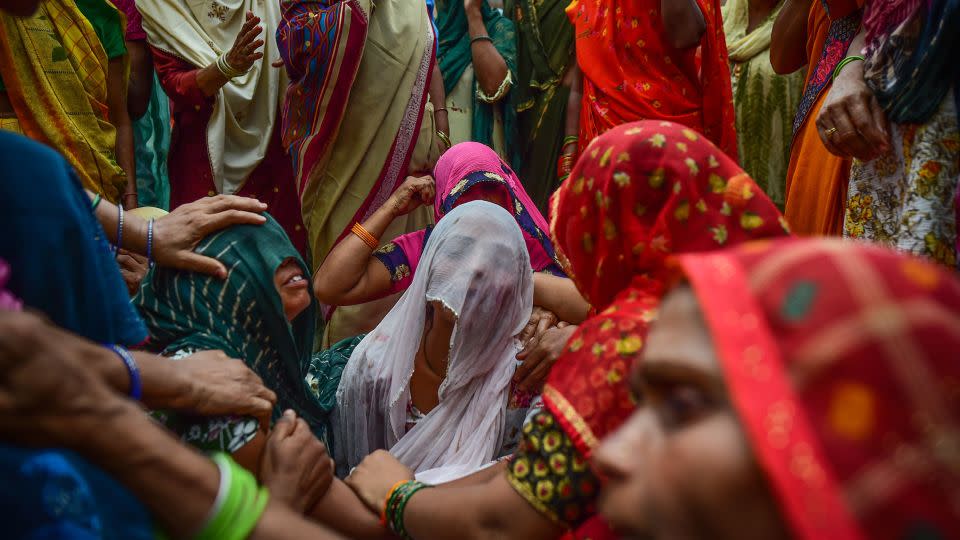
[[135, 30]]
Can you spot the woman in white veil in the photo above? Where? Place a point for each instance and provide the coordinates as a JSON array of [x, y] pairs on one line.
[[432, 382]]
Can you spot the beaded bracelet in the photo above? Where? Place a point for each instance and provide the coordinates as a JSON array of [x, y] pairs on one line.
[[363, 234], [397, 502], [120, 228], [136, 385], [843, 63], [150, 242], [239, 504]]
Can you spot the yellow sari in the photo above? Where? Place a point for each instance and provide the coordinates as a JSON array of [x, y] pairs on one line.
[[58, 89]]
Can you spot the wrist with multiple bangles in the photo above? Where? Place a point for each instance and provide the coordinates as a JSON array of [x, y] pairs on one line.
[[239, 504], [844, 63], [363, 234], [120, 223], [396, 502], [226, 69], [567, 159]]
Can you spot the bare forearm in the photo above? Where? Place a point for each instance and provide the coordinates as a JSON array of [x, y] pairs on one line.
[[134, 228], [175, 483], [788, 51], [347, 263], [489, 67], [573, 79], [141, 79], [438, 98], [210, 80], [125, 156], [490, 510], [341, 510], [560, 296], [683, 21]]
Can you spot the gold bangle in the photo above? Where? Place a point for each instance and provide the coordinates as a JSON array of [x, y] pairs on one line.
[[363, 234], [445, 138]]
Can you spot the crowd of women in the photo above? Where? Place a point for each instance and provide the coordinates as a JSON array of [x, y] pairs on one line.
[[228, 311]]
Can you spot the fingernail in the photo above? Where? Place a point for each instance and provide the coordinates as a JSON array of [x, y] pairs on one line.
[[289, 413]]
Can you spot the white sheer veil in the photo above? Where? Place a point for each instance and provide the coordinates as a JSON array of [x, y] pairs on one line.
[[476, 264]]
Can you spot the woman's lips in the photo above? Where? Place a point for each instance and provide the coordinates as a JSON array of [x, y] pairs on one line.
[[296, 282]]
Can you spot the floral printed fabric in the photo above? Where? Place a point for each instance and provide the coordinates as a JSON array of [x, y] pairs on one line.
[[551, 475], [906, 198], [209, 434]]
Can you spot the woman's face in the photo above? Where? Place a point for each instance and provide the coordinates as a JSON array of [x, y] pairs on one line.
[[486, 191], [293, 288], [681, 467]]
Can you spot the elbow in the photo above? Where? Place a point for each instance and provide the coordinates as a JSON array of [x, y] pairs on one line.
[[782, 62], [322, 290]]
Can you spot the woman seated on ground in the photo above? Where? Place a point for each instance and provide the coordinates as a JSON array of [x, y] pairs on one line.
[[432, 383], [261, 312], [356, 272], [825, 420]]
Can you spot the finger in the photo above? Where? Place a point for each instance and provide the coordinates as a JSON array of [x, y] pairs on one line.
[[544, 325], [220, 203], [863, 120], [254, 57], [250, 38], [277, 64], [528, 332], [193, 262], [268, 395], [256, 407], [855, 139], [530, 363], [284, 427], [847, 139], [536, 378], [228, 218], [563, 324]]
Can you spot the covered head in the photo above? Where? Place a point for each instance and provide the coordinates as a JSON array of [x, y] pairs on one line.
[[476, 267], [823, 399], [644, 191], [244, 314]]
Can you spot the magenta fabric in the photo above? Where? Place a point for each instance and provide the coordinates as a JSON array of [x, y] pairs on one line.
[[459, 164], [134, 20]]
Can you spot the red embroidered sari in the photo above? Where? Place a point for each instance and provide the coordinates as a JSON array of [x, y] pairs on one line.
[[631, 73], [639, 194], [849, 395]]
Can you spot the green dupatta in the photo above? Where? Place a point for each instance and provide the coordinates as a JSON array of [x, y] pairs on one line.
[[241, 315], [545, 52], [454, 56]]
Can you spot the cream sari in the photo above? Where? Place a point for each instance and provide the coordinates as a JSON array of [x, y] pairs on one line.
[[245, 109]]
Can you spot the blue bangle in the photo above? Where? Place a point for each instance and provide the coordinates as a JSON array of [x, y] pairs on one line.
[[120, 228], [150, 242], [136, 386]]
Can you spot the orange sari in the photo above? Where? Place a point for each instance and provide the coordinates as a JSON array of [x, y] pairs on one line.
[[817, 179], [631, 73]]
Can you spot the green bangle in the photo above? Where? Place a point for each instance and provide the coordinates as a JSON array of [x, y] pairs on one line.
[[96, 201], [843, 63], [570, 139], [239, 505], [397, 503]]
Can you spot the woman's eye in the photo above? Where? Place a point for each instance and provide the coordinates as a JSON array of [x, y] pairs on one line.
[[681, 405]]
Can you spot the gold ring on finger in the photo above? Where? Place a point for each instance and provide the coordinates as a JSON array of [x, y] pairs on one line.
[[830, 131]]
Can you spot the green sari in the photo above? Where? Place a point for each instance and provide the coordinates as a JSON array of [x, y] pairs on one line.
[[241, 315], [545, 50], [454, 56]]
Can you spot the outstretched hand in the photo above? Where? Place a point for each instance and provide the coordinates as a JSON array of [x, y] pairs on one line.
[[178, 233], [245, 50]]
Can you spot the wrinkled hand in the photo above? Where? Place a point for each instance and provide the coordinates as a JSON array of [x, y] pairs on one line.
[[415, 191], [222, 385], [176, 234], [245, 49], [133, 268], [46, 389], [540, 320], [851, 122], [539, 356], [296, 467], [373, 478]]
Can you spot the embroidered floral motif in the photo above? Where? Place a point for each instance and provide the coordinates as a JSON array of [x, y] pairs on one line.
[[218, 11]]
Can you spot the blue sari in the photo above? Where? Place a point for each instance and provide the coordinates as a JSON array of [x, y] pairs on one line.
[[62, 266]]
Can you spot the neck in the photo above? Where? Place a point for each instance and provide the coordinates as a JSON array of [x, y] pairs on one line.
[[759, 11]]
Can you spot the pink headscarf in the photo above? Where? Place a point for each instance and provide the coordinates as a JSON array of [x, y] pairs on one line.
[[459, 169]]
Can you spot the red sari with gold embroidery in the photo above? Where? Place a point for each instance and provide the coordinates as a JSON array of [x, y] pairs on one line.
[[631, 73]]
